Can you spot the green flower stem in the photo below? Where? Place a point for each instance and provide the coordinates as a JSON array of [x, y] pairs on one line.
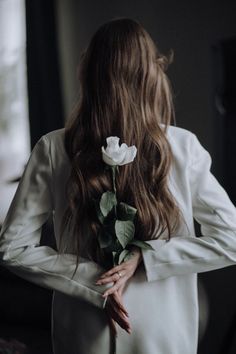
[[113, 168]]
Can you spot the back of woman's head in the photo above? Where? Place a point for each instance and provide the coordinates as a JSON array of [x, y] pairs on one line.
[[123, 84], [124, 92]]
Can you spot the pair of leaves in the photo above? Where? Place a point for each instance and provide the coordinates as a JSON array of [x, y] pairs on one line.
[[108, 201]]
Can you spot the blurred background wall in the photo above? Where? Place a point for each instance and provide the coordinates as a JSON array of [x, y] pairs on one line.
[[203, 37]]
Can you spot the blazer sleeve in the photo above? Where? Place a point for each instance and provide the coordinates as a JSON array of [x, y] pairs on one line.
[[216, 214], [20, 249]]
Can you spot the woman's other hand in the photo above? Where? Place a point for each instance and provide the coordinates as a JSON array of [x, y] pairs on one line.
[[122, 273], [117, 313]]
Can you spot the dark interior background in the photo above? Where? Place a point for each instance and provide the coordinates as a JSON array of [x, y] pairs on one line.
[[203, 37]]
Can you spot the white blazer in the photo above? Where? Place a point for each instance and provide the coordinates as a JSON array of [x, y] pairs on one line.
[[161, 298]]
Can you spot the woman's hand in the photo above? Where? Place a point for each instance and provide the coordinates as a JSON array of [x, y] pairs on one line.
[[117, 313], [121, 273]]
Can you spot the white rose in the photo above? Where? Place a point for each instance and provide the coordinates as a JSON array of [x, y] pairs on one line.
[[117, 155]]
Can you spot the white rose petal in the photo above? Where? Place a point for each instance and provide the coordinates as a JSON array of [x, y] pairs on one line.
[[107, 159], [112, 143], [117, 155], [130, 155]]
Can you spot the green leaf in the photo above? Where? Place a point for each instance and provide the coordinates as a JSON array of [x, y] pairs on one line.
[[126, 211], [115, 258], [142, 244], [124, 231], [128, 256], [100, 216], [107, 201], [122, 255]]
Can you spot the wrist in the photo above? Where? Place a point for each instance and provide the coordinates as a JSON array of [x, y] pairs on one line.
[[136, 250]]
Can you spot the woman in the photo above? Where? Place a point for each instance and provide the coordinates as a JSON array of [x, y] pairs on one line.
[[148, 304]]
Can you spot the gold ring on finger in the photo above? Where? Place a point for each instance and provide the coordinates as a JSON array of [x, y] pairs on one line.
[[120, 274]]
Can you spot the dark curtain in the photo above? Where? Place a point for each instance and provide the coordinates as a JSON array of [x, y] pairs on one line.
[[25, 311], [44, 89]]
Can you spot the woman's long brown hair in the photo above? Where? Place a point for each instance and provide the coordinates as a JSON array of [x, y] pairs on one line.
[[124, 92]]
